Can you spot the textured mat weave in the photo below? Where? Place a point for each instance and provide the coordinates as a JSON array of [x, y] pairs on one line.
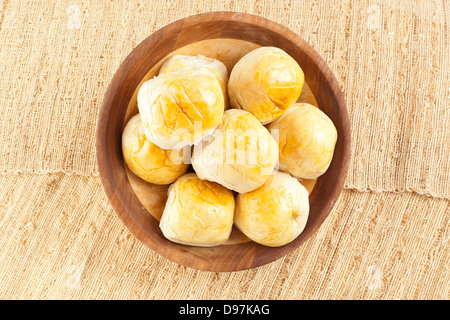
[[388, 236], [65, 241]]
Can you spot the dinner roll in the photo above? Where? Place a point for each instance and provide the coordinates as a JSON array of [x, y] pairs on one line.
[[307, 138], [240, 155], [180, 62], [147, 160], [274, 214], [197, 212], [180, 108], [265, 82]]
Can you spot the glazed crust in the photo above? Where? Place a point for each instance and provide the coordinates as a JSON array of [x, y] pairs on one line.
[[307, 138], [274, 214], [265, 82], [240, 155], [180, 108], [197, 212], [147, 160]]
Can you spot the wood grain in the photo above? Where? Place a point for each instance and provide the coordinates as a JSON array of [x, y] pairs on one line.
[[238, 33]]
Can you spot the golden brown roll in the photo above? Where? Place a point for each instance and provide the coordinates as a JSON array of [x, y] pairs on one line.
[[307, 138], [180, 108], [274, 214], [240, 155], [147, 160], [181, 62], [197, 212], [265, 82]]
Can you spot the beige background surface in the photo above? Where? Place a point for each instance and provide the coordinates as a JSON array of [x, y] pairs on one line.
[[388, 236]]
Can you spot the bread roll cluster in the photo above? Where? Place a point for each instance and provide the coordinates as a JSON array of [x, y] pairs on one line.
[[248, 142]]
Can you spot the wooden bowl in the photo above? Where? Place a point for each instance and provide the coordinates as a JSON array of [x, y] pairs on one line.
[[226, 36]]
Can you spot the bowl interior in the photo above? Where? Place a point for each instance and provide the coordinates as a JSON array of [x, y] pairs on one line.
[[227, 37], [229, 51]]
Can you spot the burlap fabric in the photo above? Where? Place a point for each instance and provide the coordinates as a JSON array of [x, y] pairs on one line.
[[388, 236]]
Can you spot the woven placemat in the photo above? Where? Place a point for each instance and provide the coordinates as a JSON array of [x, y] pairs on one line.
[[61, 239], [388, 235], [392, 59]]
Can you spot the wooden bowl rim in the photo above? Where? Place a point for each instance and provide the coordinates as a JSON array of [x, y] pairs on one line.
[[119, 201]]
